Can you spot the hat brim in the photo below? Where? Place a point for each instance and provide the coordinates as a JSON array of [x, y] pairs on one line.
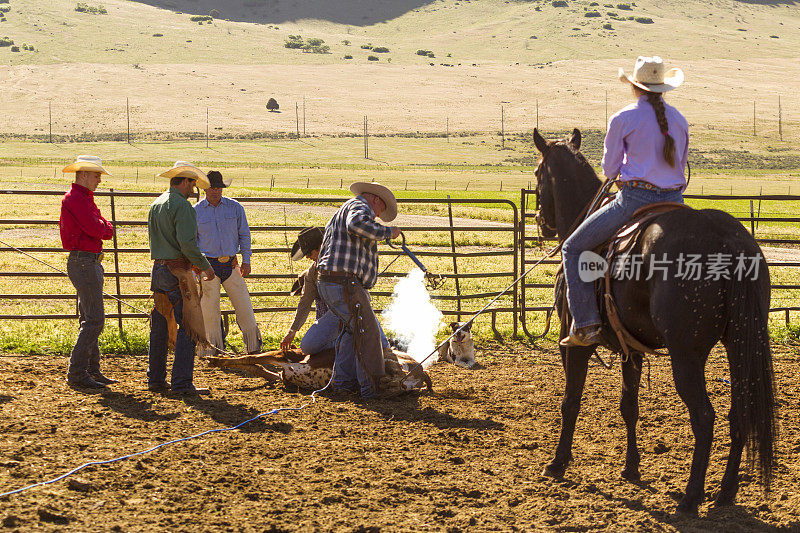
[[672, 80], [80, 166], [297, 251], [187, 172], [381, 191]]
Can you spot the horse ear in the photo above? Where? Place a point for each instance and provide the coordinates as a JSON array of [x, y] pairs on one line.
[[575, 139], [541, 144]]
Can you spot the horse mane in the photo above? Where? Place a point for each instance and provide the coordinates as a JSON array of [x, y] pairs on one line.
[[580, 179]]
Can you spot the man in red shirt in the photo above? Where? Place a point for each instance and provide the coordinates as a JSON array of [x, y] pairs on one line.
[[83, 230]]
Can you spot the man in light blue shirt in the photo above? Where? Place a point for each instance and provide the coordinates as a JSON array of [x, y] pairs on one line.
[[222, 232]]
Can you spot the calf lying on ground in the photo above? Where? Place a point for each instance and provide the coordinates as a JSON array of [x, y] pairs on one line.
[[314, 371]]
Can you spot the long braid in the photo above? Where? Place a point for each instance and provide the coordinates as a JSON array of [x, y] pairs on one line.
[[657, 102]]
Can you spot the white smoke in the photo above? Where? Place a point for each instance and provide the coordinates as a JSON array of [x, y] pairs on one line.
[[412, 318]]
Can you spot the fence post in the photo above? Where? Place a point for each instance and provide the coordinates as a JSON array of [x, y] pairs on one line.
[[116, 262], [455, 260], [752, 222]]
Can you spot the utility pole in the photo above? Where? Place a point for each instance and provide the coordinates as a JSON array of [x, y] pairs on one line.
[[366, 138], [128, 112], [297, 118], [502, 128], [304, 115]]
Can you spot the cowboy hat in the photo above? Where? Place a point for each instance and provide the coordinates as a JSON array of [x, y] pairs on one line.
[[182, 169], [382, 192], [88, 163], [309, 240], [216, 181], [650, 74]]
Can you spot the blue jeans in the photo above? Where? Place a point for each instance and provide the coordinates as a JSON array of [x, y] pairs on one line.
[[86, 274], [163, 281], [594, 231], [323, 333], [347, 371]]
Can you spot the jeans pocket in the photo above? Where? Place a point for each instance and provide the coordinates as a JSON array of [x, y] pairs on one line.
[[332, 293]]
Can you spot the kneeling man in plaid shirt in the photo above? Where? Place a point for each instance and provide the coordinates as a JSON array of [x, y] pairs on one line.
[[348, 268]]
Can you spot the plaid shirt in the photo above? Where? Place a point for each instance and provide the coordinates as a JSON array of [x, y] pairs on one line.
[[351, 240]]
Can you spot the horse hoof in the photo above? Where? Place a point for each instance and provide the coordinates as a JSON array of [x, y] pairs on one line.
[[631, 475], [554, 471], [686, 509], [723, 501]]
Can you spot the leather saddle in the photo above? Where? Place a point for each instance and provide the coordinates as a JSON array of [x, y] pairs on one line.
[[623, 242]]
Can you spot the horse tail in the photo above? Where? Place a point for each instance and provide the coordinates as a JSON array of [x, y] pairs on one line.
[[750, 360]]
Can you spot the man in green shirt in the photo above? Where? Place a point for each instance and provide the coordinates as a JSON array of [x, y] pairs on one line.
[[172, 227]]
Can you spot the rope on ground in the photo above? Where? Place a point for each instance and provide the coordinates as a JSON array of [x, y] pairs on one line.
[[154, 448]]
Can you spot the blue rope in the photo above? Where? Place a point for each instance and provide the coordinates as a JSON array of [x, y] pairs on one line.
[[723, 380], [218, 430]]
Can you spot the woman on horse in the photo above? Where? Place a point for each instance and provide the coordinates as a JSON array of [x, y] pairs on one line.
[[646, 147]]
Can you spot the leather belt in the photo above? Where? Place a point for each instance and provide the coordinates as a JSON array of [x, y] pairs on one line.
[[90, 255], [336, 277], [334, 274], [642, 184], [220, 259]]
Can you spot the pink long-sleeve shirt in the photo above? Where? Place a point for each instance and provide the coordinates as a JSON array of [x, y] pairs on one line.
[[634, 146]]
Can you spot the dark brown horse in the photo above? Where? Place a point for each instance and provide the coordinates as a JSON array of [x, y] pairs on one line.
[[687, 317]]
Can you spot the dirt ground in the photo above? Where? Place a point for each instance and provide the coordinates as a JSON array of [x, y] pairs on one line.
[[467, 458]]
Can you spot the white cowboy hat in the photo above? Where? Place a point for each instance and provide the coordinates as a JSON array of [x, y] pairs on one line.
[[650, 74], [382, 192], [89, 163], [183, 169]]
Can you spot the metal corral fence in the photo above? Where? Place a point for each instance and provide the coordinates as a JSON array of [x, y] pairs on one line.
[[499, 260], [531, 243]]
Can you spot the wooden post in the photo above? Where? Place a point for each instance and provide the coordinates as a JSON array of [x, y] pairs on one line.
[[752, 222], [128, 112], [304, 115], [760, 191], [455, 261], [297, 118], [116, 261], [50, 111]]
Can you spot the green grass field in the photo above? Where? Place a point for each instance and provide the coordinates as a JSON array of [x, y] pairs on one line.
[[35, 170]]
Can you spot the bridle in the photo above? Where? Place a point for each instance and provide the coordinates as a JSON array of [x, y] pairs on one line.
[[538, 215]]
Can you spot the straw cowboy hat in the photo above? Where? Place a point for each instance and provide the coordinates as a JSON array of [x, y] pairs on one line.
[[215, 180], [650, 74], [182, 169], [381, 192], [88, 163], [309, 240]]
